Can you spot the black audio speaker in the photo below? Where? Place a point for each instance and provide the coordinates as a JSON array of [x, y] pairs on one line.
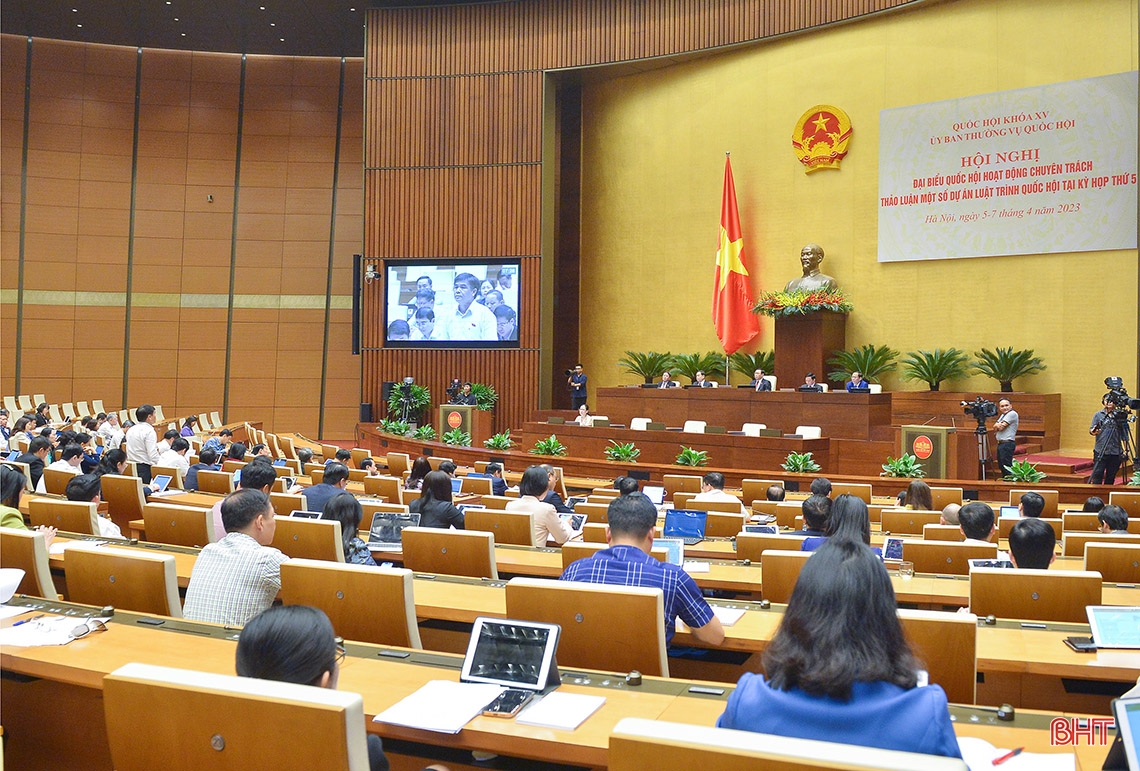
[[366, 412], [357, 261], [386, 390]]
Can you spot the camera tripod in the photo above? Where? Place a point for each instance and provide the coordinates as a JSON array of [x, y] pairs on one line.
[[1118, 421], [983, 447]]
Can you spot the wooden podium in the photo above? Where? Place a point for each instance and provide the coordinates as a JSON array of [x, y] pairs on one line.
[[804, 343], [467, 417]]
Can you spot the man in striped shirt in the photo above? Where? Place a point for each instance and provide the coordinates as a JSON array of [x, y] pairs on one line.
[[632, 523]]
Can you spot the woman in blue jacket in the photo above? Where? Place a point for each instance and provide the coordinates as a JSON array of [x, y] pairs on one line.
[[839, 668]]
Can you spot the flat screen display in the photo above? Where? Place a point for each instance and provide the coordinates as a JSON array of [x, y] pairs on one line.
[[458, 303]]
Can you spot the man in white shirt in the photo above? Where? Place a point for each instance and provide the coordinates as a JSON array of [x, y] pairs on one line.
[[470, 321], [175, 457], [111, 433], [712, 489], [142, 444], [87, 488], [70, 459]]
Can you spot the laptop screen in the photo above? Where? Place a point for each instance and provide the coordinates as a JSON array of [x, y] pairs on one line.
[[299, 514], [279, 462], [388, 526], [1009, 512], [685, 523], [1114, 626], [160, 482], [655, 493], [456, 486], [674, 549]]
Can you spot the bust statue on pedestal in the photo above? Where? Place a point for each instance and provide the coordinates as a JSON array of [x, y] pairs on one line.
[[812, 280]]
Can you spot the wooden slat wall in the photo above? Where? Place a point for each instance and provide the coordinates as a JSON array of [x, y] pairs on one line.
[[453, 143]]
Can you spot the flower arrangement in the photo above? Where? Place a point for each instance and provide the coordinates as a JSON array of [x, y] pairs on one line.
[[776, 304]]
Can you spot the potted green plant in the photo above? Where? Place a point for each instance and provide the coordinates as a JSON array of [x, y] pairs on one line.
[[934, 366], [500, 441], [689, 364], [549, 446], [800, 463], [424, 434], [397, 427], [1135, 480], [419, 399], [869, 360], [1006, 365], [747, 363], [690, 457], [626, 452], [905, 465], [646, 365], [485, 396], [1023, 471], [457, 437]]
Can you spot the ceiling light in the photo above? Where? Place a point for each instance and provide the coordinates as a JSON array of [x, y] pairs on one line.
[[79, 25], [176, 18], [272, 24], [282, 40]]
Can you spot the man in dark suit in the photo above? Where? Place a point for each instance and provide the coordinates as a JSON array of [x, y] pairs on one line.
[[37, 451], [700, 381], [759, 383], [498, 484], [333, 483], [667, 380], [810, 384]]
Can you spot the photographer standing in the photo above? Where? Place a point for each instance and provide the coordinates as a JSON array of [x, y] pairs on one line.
[[576, 379], [1005, 431], [1107, 450]]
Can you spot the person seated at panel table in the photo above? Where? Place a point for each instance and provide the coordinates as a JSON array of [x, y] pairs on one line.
[[88, 488], [544, 520], [552, 485], [810, 384], [857, 383], [631, 524], [333, 483], [1031, 504], [207, 461], [254, 476], [448, 467], [821, 486], [1113, 520], [498, 484], [700, 381], [816, 510], [342, 456], [950, 514], [37, 453], [667, 380], [420, 469], [839, 667], [70, 458], [1032, 544], [919, 497], [296, 644], [368, 466], [774, 493], [712, 489], [848, 519], [434, 504], [1092, 505], [239, 576], [759, 383], [346, 510], [222, 441], [12, 484], [976, 521], [584, 419]]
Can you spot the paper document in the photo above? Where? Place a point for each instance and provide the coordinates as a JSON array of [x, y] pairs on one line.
[[10, 611], [562, 711], [696, 567], [980, 754], [56, 630], [728, 616], [441, 705]]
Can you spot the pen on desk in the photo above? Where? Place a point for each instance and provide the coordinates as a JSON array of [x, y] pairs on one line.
[[26, 620], [1008, 755]]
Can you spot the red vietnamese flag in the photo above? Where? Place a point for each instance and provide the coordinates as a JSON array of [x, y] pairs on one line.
[[733, 318]]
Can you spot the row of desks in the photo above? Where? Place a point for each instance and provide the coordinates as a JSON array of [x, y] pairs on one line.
[[74, 674]]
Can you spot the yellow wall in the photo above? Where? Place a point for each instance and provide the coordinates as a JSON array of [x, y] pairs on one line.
[[653, 160]]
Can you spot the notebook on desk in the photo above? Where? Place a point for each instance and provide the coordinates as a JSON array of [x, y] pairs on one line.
[[387, 530], [686, 524]]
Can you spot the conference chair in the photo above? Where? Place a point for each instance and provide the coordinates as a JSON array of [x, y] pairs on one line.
[[449, 552], [398, 463], [55, 480], [358, 456], [637, 743], [1073, 544], [638, 424], [497, 501], [13, 407], [847, 488], [24, 469], [390, 488], [26, 405], [1116, 562], [942, 533], [751, 546], [682, 500], [721, 524], [68, 516], [173, 472], [943, 496], [942, 557], [179, 525], [436, 460], [781, 570], [611, 628], [680, 483], [26, 550], [364, 603], [875, 388], [477, 486], [313, 539], [513, 527], [757, 489], [694, 427], [787, 511], [56, 416], [285, 504], [1051, 497], [572, 551], [230, 466], [1084, 522], [752, 429], [204, 422], [1130, 502], [947, 645], [159, 415], [97, 407], [198, 720], [560, 487], [908, 521], [809, 432], [124, 497], [128, 579], [288, 447], [317, 475], [824, 387], [1037, 595], [1005, 525], [217, 482], [593, 532]]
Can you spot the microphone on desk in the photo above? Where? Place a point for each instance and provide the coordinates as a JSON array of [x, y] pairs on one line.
[[932, 417]]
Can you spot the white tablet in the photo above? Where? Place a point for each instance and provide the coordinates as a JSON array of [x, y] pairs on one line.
[[515, 654], [1114, 626], [1127, 714]]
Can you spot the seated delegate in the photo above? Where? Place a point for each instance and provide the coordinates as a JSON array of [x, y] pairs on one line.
[[839, 668]]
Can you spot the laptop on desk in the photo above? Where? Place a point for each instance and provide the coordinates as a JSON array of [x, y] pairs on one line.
[[387, 530], [686, 524], [456, 486], [655, 494]]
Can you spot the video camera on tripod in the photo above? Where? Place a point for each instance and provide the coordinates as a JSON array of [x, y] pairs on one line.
[[1117, 396], [406, 401], [981, 409]]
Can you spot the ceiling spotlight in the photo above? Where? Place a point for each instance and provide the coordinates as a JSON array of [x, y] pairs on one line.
[[79, 25], [75, 10], [176, 18], [282, 40], [272, 24]]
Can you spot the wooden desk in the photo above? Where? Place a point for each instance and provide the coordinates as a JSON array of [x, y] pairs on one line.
[[70, 678]]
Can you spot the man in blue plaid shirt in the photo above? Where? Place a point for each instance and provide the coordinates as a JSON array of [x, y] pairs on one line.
[[632, 523]]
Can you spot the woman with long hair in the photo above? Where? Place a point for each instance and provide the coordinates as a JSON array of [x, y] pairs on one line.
[[12, 485], [839, 667], [434, 504], [918, 496], [850, 519], [420, 469], [348, 511]]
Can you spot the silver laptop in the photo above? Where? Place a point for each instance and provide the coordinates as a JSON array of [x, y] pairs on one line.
[[387, 529], [655, 493]]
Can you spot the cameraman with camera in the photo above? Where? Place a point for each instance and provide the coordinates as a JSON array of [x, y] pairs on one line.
[[1107, 450], [576, 380], [1005, 431]]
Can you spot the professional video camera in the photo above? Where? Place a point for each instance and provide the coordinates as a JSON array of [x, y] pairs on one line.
[[1117, 395], [455, 387], [981, 409], [405, 390], [569, 372]]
